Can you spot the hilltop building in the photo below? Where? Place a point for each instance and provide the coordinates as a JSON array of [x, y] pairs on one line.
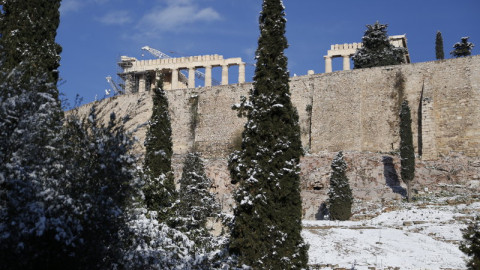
[[180, 73], [141, 75]]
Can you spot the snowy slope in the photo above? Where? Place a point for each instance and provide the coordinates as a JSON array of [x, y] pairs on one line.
[[417, 237]]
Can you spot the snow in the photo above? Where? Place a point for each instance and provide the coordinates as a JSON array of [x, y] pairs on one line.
[[418, 237], [246, 200]]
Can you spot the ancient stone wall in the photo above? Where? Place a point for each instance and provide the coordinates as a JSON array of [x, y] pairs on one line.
[[218, 129], [358, 110], [354, 111]]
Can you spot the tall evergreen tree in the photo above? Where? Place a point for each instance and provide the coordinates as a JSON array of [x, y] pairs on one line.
[[340, 198], [439, 53], [462, 48], [196, 204], [377, 50], [160, 193], [267, 226], [471, 244], [36, 230], [407, 152], [28, 29], [35, 226]]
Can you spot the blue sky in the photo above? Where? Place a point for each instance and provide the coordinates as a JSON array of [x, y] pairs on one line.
[[95, 33]]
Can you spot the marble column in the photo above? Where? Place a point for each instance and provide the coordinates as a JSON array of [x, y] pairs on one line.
[[141, 83], [241, 73], [346, 62], [328, 64], [191, 77], [208, 76], [174, 78], [224, 74]]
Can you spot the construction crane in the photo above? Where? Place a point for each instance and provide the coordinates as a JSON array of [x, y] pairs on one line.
[[162, 55], [114, 86], [155, 52]]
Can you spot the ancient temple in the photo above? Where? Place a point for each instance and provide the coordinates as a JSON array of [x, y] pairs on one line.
[[141, 75]]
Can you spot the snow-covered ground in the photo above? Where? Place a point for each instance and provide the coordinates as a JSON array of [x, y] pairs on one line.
[[416, 237]]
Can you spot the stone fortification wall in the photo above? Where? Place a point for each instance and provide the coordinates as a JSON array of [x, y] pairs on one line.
[[354, 111], [358, 110], [346, 110], [218, 129]]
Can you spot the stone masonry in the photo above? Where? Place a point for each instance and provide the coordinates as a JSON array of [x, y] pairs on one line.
[[354, 111]]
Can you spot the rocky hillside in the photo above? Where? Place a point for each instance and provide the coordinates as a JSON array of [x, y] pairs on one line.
[[374, 177]]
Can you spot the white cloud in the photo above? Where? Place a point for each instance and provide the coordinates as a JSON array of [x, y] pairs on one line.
[[70, 5], [118, 17], [176, 16]]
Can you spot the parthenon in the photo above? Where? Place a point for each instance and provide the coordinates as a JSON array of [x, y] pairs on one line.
[[347, 50], [141, 75]]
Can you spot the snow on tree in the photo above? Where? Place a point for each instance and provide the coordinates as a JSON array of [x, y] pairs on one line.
[[340, 197], [117, 230], [36, 229], [28, 29], [471, 244], [439, 53], [160, 193], [103, 183], [70, 195], [196, 204], [154, 245], [267, 224], [377, 50], [407, 152], [462, 48]]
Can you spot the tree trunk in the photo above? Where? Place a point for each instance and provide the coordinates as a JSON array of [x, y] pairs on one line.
[[409, 191]]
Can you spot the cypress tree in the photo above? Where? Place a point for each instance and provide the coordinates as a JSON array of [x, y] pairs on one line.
[[36, 230], [160, 193], [340, 195], [471, 244], [28, 29], [377, 50], [407, 152], [439, 46], [34, 224], [267, 225], [462, 48], [196, 203]]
